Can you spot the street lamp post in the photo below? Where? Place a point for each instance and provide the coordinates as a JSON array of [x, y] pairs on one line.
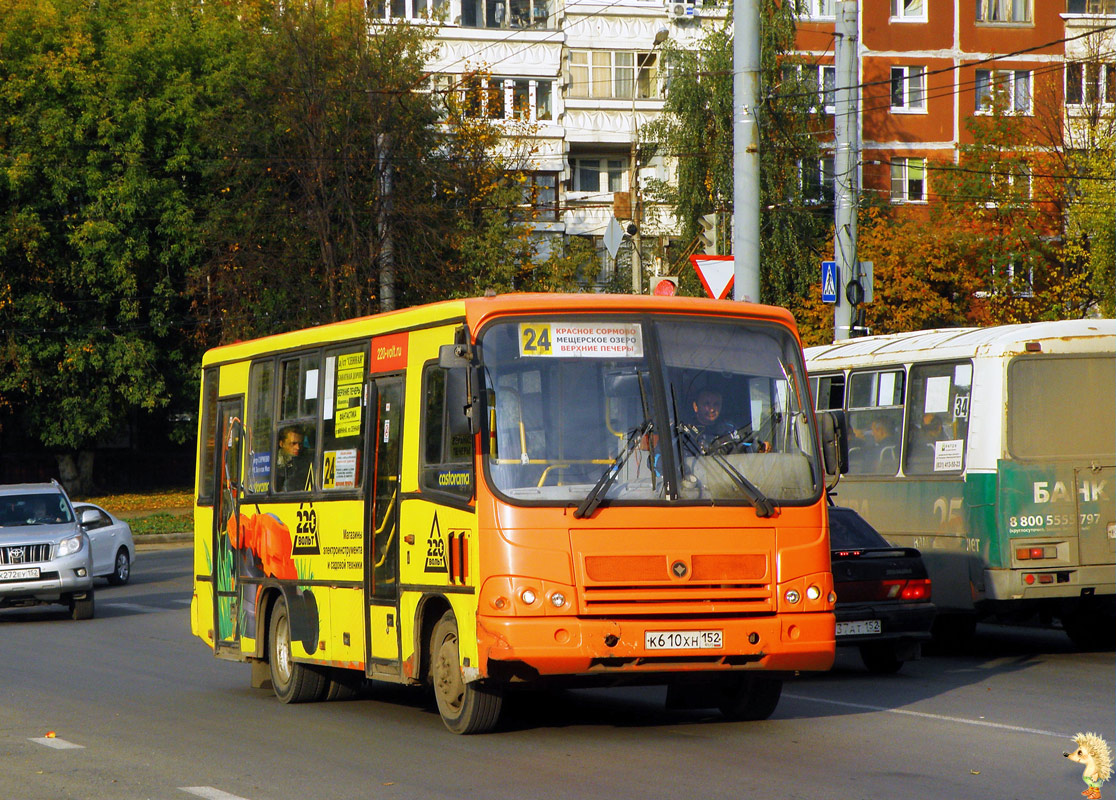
[[633, 173]]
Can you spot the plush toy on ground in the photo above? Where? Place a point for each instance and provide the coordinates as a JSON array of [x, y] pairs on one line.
[[1094, 753]]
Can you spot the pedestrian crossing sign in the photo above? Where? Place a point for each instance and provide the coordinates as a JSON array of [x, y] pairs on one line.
[[830, 281]]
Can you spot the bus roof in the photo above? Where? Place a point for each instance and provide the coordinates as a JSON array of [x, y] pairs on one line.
[[1073, 335], [478, 310]]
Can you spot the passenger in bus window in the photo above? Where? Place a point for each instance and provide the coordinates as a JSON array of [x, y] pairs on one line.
[[884, 444], [293, 462], [921, 445]]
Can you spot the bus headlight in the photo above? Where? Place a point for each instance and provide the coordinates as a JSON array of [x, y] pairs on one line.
[[813, 592], [528, 596], [792, 596], [557, 599]]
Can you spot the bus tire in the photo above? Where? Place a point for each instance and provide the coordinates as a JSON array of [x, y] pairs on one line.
[[343, 684], [465, 707], [752, 697], [292, 682]]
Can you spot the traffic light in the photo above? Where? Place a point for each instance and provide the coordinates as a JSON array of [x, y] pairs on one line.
[[664, 285], [709, 237]]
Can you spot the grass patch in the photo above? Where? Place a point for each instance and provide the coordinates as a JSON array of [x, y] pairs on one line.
[[162, 523], [167, 499]]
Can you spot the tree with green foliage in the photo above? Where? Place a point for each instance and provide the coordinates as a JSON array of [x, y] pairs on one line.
[[696, 129], [100, 188]]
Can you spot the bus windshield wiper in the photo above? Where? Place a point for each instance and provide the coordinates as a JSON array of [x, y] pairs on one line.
[[597, 493], [763, 505]]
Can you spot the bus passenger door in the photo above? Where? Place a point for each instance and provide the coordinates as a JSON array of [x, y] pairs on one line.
[[226, 524], [381, 573]]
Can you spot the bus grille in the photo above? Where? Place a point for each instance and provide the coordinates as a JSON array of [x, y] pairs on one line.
[[24, 553], [644, 585]]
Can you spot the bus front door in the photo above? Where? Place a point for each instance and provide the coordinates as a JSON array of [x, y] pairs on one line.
[[226, 521], [381, 573]]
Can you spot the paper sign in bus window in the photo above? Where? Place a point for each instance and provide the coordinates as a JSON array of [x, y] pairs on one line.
[[948, 455], [937, 395], [348, 422], [581, 340], [340, 469]]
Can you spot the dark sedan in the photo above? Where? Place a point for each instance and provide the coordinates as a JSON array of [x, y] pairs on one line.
[[883, 593]]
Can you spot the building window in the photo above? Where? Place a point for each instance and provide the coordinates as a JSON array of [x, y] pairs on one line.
[[600, 174], [908, 180], [1090, 83], [540, 197], [1013, 85], [908, 88], [908, 10], [1091, 7], [617, 74], [1003, 11], [820, 78], [406, 9], [505, 13], [508, 98], [819, 8], [817, 180]]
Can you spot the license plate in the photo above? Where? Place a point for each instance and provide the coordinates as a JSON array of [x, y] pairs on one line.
[[18, 574], [682, 640], [861, 627]]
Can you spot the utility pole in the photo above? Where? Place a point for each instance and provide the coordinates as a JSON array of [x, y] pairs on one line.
[[845, 165], [746, 155], [387, 243]]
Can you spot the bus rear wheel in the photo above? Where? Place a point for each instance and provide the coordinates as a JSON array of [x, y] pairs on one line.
[[293, 682], [466, 707], [752, 697]]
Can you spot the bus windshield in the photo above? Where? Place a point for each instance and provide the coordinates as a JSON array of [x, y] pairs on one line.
[[647, 410]]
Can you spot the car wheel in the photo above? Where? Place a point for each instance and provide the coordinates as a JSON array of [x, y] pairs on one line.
[[753, 697], [466, 707], [880, 658], [121, 568], [293, 682], [81, 607]]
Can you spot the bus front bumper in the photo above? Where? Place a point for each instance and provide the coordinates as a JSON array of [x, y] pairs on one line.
[[576, 646]]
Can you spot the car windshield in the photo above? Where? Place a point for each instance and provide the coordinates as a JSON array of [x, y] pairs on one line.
[[640, 409], [849, 531], [38, 508]]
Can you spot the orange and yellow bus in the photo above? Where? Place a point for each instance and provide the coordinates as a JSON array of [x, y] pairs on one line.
[[516, 490]]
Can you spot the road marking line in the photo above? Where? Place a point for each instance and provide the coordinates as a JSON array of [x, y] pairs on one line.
[[926, 715], [209, 793], [56, 743]]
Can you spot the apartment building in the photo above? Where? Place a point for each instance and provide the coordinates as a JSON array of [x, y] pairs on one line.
[[927, 67], [584, 75], [587, 74]]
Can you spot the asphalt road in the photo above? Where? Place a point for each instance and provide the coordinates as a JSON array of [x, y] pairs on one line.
[[140, 709]]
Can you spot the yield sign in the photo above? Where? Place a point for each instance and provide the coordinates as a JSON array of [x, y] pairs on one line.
[[716, 273]]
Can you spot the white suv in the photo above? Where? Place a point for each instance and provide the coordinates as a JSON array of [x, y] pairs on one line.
[[45, 555]]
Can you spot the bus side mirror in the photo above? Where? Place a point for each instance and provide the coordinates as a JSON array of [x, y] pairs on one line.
[[452, 356], [835, 444]]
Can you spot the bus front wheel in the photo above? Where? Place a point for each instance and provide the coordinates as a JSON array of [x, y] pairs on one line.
[[466, 707], [752, 697], [293, 682]]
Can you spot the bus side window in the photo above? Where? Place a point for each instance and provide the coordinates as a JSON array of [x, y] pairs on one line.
[[343, 417], [208, 436], [829, 392], [261, 405], [447, 451], [938, 418], [295, 466], [875, 421]]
